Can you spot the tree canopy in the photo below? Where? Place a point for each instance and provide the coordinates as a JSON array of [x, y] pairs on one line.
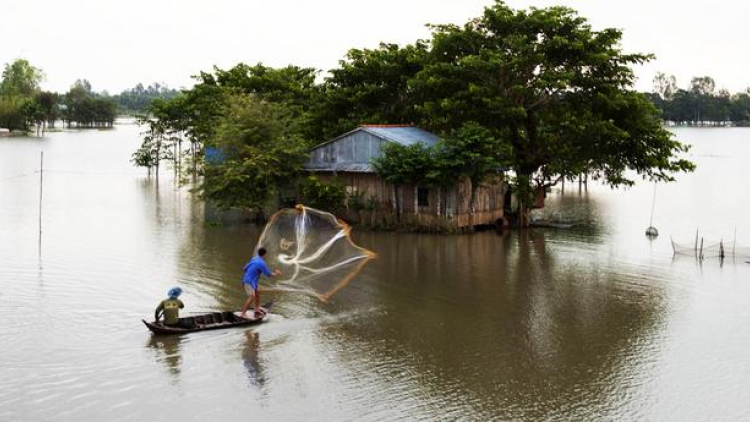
[[260, 152], [554, 96], [537, 92], [700, 104], [137, 99], [21, 79]]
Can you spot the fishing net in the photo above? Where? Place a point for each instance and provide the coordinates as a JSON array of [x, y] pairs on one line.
[[684, 248], [313, 250], [704, 248]]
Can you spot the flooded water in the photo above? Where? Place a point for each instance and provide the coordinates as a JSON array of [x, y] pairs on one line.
[[595, 322]]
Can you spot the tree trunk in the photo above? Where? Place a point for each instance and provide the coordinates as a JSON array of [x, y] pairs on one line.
[[523, 196]]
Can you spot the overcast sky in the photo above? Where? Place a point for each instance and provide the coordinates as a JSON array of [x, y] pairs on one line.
[[118, 44]]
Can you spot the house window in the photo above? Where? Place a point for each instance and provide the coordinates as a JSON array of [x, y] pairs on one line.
[[423, 197]]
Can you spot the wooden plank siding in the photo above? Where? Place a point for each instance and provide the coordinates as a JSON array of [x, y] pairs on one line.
[[454, 207]]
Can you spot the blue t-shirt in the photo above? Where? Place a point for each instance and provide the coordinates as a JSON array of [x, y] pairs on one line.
[[253, 269]]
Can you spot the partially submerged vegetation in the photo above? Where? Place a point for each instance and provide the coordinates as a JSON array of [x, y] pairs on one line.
[[23, 104], [701, 104], [536, 93]]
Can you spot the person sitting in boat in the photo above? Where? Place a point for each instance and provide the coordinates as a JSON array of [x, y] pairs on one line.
[[253, 270], [170, 308]]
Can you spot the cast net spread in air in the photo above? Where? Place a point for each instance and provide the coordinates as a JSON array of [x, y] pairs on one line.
[[313, 250]]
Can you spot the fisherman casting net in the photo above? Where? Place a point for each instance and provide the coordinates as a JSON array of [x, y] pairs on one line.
[[313, 250]]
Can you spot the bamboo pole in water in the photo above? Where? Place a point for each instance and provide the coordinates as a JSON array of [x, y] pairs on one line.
[[695, 248], [41, 186], [653, 207]]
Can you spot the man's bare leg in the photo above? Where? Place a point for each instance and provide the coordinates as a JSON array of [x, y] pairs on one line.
[[246, 306]]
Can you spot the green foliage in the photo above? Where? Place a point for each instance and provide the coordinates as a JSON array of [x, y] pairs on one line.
[[535, 91], [14, 112], [329, 196], [87, 109], [21, 79], [557, 94], [20, 95], [197, 113], [470, 151], [293, 87], [138, 99], [156, 145], [49, 106], [372, 86], [260, 150], [700, 104], [402, 164]]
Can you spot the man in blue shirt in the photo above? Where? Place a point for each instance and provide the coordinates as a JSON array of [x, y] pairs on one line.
[[253, 270]]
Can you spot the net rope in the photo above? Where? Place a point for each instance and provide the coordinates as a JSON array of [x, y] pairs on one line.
[[314, 251]]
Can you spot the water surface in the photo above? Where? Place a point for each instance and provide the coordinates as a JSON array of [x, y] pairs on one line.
[[592, 323]]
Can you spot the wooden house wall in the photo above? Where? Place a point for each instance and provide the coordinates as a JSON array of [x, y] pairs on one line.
[[453, 211]]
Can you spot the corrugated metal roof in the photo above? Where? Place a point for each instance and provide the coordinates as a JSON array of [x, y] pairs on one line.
[[404, 135], [353, 151]]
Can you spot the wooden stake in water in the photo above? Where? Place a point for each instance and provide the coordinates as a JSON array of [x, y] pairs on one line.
[[41, 185], [651, 231], [696, 242]]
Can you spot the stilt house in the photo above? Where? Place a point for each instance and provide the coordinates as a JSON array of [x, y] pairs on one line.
[[374, 202]]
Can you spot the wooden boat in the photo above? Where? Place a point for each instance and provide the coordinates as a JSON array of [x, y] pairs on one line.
[[210, 321]]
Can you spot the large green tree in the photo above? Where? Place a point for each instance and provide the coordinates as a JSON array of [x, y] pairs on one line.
[[14, 112], [20, 78], [559, 93], [372, 86], [260, 151]]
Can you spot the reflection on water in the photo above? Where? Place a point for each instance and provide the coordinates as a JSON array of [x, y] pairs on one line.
[[596, 322], [251, 358], [167, 351]]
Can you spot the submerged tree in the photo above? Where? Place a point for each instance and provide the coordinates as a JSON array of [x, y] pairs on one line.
[[14, 112], [259, 153], [558, 93], [21, 79]]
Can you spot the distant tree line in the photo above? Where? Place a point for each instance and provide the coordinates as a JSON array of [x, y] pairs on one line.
[[137, 99], [700, 104], [24, 105]]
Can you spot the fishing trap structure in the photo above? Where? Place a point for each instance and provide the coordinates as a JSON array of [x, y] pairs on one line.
[[702, 248]]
